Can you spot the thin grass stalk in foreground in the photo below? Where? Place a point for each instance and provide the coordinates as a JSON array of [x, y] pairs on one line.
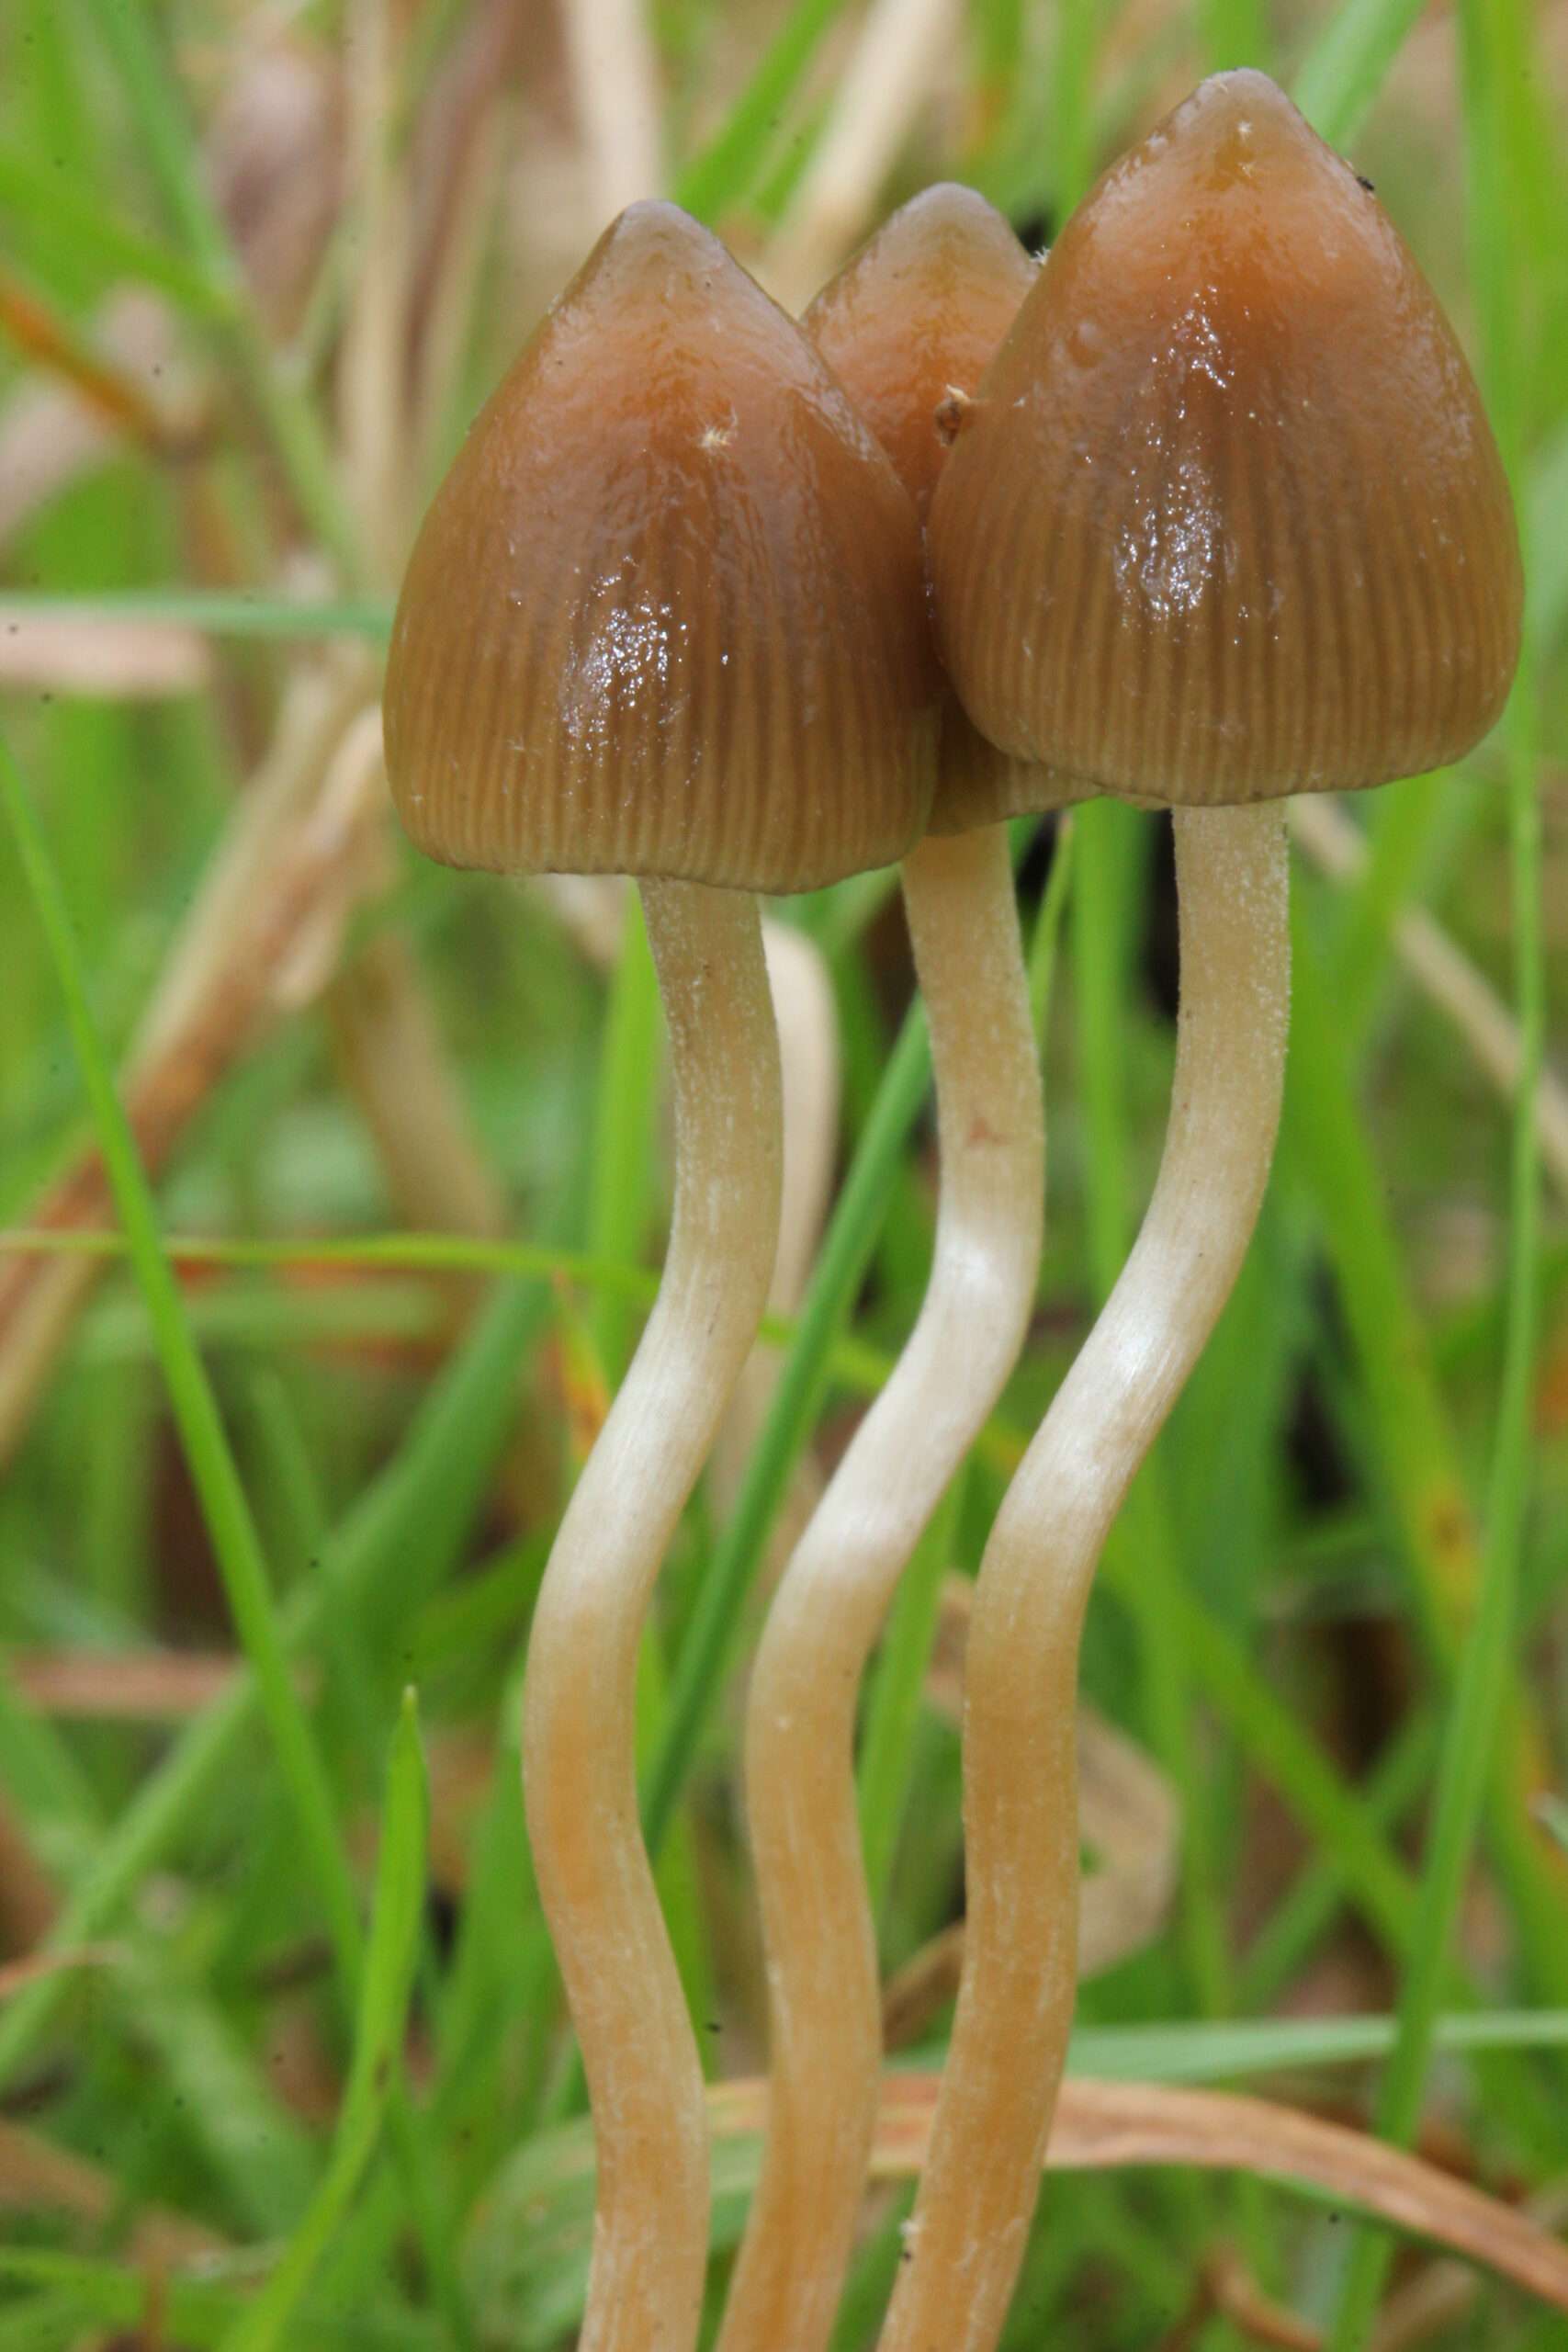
[[412, 1520], [1345, 68], [1008, 2045], [376, 2069], [1467, 1754], [223, 1502], [699, 1669], [824, 1986], [896, 1695], [124, 29], [225, 1507], [1110, 859], [579, 1776]]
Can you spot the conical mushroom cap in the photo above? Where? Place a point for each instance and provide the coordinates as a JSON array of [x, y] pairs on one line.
[[913, 317], [1227, 519], [667, 613]]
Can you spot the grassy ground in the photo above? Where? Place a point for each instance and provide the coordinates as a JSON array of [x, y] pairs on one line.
[[281, 2054]]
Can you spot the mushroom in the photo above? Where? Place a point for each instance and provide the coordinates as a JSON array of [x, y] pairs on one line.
[[1226, 522], [913, 317], [665, 617]]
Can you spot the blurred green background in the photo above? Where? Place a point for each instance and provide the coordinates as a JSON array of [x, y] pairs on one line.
[[275, 2002]]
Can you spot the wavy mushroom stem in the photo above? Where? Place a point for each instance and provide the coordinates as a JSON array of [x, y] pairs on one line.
[[979, 2183], [644, 2075], [822, 1971]]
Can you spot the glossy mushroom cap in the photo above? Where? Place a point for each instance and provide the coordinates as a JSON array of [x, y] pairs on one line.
[[1227, 520], [916, 313], [667, 613], [913, 317]]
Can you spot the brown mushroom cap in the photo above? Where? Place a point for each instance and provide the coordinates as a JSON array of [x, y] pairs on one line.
[[911, 318], [666, 615], [1227, 520]]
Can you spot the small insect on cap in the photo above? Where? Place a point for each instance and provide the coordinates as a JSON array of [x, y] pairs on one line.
[[667, 613], [913, 319], [1227, 520]]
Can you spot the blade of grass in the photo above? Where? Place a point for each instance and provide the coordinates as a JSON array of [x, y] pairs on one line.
[[894, 1694], [698, 1675], [387, 1983], [851, 1363], [238, 613], [1399, 1779], [892, 1701], [43, 1780], [224, 1506], [1073, 110], [252, 2143], [1235, 32], [1344, 69], [1465, 1761], [1415, 1450], [1204, 2052], [124, 34], [399, 1538], [1325, 1144], [1108, 857], [33, 191], [1046, 937], [718, 179], [264, 2159]]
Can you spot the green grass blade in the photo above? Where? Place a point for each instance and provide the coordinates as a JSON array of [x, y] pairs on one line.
[[233, 613], [1207, 2052], [400, 1537], [1142, 1561], [727, 170], [1344, 69], [202, 1436], [1466, 1759], [894, 1695], [1046, 937], [126, 36], [383, 2011], [1326, 1145], [895, 1687], [1235, 32], [699, 1674], [1401, 1776], [1079, 23], [44, 1785], [28, 191]]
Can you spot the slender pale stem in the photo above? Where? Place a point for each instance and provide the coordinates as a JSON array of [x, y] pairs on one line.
[[826, 2009], [644, 2076], [1015, 2005]]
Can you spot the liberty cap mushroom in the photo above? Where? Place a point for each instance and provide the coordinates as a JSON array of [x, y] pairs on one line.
[[1225, 522], [1227, 519], [908, 326], [912, 317], [665, 616]]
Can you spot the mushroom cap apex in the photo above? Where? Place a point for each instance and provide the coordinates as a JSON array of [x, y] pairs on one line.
[[1227, 520], [667, 612]]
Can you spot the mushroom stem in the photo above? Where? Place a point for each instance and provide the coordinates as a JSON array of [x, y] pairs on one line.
[[1015, 2005], [645, 2079], [821, 1942]]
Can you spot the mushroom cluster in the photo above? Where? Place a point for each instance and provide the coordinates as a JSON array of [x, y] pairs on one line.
[[1221, 520]]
